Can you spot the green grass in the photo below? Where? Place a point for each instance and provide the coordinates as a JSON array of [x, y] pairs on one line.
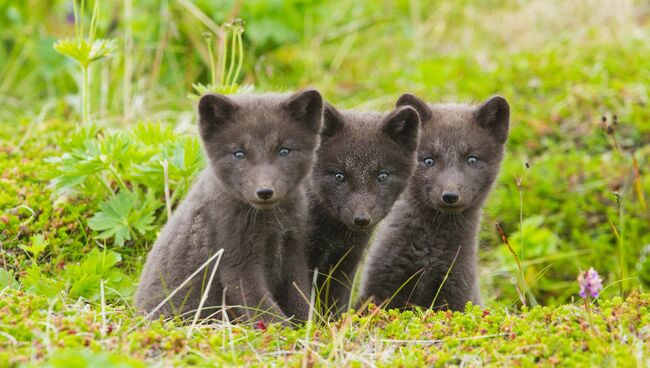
[[63, 333], [561, 65]]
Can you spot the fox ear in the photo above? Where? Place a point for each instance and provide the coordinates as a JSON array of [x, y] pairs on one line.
[[494, 116], [306, 106], [332, 121], [214, 110], [420, 106], [403, 126]]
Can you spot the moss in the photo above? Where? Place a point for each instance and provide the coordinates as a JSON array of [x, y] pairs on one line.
[[558, 86], [493, 337]]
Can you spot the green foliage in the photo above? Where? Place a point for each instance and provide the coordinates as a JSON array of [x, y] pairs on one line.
[[50, 332], [123, 216], [98, 266], [85, 49], [85, 159], [229, 61], [7, 280], [96, 161], [37, 245], [82, 280], [80, 358], [35, 281], [562, 66]]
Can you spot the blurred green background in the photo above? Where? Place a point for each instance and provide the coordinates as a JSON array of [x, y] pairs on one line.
[[562, 65]]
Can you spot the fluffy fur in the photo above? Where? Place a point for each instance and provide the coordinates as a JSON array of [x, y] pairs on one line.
[[363, 164], [249, 201], [437, 221]]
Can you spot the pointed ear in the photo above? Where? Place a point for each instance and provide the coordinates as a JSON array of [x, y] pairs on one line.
[[420, 106], [307, 107], [332, 121], [214, 111], [494, 116], [403, 126]]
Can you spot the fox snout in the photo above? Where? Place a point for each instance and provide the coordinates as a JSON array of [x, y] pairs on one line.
[[264, 196], [265, 193], [450, 197], [360, 217], [263, 188]]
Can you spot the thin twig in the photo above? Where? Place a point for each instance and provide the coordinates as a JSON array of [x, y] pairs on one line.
[[204, 296], [444, 279], [168, 203], [103, 301], [312, 301], [178, 288], [431, 342]]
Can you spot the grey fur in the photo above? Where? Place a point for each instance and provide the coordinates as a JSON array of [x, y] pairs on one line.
[[418, 241], [359, 145], [263, 240]]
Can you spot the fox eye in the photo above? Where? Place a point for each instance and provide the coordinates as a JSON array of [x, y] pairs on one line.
[[472, 160], [283, 152], [429, 161], [382, 177], [240, 155], [339, 177]]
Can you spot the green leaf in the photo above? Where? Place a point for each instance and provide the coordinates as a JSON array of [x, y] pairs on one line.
[[97, 262], [150, 134], [84, 278], [7, 280], [112, 218], [201, 89], [37, 245], [35, 282], [122, 215], [78, 358], [75, 167], [84, 51]]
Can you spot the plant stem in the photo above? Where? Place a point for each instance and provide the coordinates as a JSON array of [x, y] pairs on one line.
[[213, 62], [106, 185], [521, 228], [79, 29], [168, 202], [128, 60], [119, 180], [93, 22], [433, 302], [223, 46], [240, 49], [588, 309], [85, 94], [230, 78], [621, 245]]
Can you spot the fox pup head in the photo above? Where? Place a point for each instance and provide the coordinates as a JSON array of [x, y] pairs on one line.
[[364, 163], [261, 147], [460, 152]]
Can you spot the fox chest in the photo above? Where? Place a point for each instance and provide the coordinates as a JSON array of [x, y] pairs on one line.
[[430, 253]]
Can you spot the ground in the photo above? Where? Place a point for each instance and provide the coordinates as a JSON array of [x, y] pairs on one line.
[[81, 202]]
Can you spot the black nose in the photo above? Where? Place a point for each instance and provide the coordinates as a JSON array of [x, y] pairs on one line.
[[361, 220], [264, 193], [450, 197]]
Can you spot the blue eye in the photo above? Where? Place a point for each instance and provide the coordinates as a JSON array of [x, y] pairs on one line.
[[472, 160], [239, 155], [429, 161], [283, 152], [339, 177], [382, 177]]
